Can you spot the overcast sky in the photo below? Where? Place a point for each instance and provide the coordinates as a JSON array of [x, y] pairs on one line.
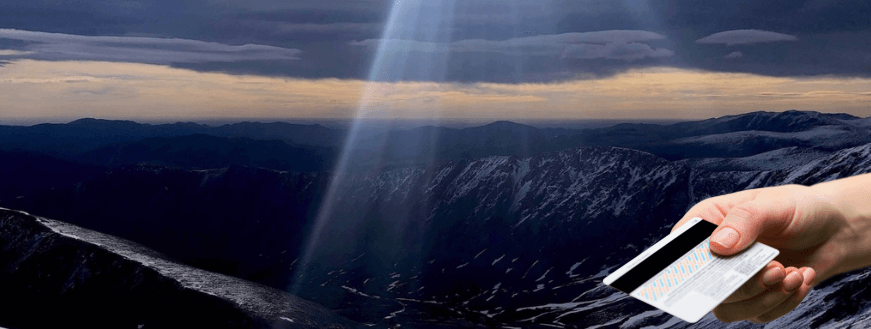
[[447, 58]]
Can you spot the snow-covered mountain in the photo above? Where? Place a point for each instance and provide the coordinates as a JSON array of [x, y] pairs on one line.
[[561, 221]]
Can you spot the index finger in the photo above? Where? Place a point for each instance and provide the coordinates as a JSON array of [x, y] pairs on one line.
[[715, 209], [707, 210]]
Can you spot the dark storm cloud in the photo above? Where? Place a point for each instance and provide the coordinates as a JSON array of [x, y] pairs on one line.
[[706, 17], [351, 14], [475, 40]]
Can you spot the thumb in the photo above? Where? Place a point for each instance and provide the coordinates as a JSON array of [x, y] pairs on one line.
[[747, 221]]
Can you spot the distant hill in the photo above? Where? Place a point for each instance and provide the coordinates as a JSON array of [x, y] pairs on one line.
[[732, 136], [73, 139], [206, 152], [100, 141], [292, 133]]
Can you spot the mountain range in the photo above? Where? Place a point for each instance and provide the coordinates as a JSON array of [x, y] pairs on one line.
[[498, 225], [116, 143]]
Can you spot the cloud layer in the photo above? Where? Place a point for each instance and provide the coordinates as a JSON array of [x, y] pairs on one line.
[[496, 40], [744, 37], [614, 44], [58, 46], [58, 89]]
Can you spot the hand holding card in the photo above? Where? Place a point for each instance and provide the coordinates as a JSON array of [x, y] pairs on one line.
[[811, 226], [681, 276]]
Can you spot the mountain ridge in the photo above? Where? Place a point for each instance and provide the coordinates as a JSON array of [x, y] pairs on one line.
[[529, 207], [425, 145], [100, 281]]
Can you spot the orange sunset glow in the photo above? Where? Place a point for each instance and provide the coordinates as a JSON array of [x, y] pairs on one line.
[[74, 89]]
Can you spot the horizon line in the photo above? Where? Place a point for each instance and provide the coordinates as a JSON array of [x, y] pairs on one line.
[[294, 120]]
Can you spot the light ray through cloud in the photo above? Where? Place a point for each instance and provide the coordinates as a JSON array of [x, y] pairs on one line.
[[614, 44], [403, 21]]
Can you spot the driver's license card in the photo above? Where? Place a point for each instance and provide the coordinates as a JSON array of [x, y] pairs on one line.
[[681, 276]]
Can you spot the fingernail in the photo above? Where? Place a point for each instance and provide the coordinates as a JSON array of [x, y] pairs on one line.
[[772, 276], [809, 275], [794, 283], [727, 238]]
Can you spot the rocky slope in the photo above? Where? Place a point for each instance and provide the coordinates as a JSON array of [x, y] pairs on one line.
[[56, 275], [498, 240]]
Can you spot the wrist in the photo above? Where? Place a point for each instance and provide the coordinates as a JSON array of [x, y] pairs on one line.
[[850, 245], [848, 198]]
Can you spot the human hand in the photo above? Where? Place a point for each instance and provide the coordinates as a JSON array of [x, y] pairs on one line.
[[799, 221]]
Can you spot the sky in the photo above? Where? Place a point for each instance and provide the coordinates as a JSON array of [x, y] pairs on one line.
[[435, 59]]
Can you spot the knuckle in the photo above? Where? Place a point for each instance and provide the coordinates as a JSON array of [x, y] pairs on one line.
[[744, 212]]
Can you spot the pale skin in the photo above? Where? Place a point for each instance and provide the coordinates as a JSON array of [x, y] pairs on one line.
[[820, 230]]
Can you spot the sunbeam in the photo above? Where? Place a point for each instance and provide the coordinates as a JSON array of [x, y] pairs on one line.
[[408, 20]]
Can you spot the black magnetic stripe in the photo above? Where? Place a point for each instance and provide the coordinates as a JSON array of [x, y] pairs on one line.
[[664, 257]]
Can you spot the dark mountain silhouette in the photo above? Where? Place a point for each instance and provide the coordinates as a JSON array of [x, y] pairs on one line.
[[204, 152], [72, 139], [293, 133], [23, 172], [741, 136]]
